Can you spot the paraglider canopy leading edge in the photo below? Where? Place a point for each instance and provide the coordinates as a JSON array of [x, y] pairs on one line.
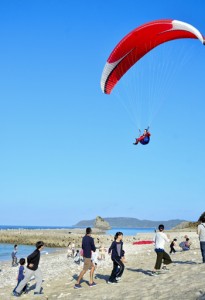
[[139, 42]]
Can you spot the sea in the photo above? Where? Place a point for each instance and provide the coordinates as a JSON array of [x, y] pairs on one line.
[[25, 250]]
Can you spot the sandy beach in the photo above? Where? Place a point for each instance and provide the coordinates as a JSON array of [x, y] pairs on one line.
[[184, 280]]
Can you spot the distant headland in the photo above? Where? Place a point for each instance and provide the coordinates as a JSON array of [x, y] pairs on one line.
[[124, 222]]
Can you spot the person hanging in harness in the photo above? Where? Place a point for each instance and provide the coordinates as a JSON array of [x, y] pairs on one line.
[[144, 138]]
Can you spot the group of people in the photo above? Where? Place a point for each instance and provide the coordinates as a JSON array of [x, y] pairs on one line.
[[117, 255], [71, 249], [161, 238], [31, 270], [185, 245]]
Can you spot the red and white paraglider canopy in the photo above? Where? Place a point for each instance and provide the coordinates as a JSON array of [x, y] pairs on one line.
[[139, 42]]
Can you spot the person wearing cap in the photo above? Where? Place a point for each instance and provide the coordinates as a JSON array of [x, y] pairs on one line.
[[162, 256], [144, 138]]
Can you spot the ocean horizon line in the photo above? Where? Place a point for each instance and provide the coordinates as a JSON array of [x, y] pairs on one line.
[[62, 227]]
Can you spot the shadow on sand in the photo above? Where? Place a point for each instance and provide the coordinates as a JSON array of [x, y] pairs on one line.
[[186, 262], [103, 277], [145, 272]]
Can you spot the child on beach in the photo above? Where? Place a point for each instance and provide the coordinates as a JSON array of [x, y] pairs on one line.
[[14, 256], [73, 248], [102, 251], [69, 253], [94, 258], [21, 275], [32, 270], [187, 245], [172, 245], [77, 257], [117, 256]]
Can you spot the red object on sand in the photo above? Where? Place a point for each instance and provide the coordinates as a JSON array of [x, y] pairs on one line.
[[143, 243]]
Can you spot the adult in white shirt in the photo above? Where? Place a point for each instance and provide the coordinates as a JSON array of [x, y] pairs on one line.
[[160, 239], [201, 233]]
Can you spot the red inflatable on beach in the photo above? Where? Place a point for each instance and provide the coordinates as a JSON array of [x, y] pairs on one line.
[[143, 243], [139, 42]]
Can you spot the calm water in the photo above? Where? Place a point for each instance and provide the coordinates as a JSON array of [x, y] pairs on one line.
[[130, 231], [25, 250]]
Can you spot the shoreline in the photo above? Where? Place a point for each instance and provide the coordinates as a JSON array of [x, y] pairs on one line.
[[58, 238]]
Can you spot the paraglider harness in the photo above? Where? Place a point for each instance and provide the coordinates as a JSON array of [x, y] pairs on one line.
[[146, 138]]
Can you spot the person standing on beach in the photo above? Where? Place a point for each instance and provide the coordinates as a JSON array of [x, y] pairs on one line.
[[87, 246], [160, 239], [73, 248], [77, 257], [117, 256], [14, 256], [21, 275], [102, 252], [69, 253], [172, 245], [32, 270], [201, 233]]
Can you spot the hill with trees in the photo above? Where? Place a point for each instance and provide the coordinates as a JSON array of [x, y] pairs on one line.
[[124, 222]]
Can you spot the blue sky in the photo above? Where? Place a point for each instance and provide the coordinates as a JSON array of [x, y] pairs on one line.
[[66, 148]]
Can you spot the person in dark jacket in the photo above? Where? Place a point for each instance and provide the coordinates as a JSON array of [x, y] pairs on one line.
[[32, 270], [87, 246], [21, 274], [172, 245], [117, 256]]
